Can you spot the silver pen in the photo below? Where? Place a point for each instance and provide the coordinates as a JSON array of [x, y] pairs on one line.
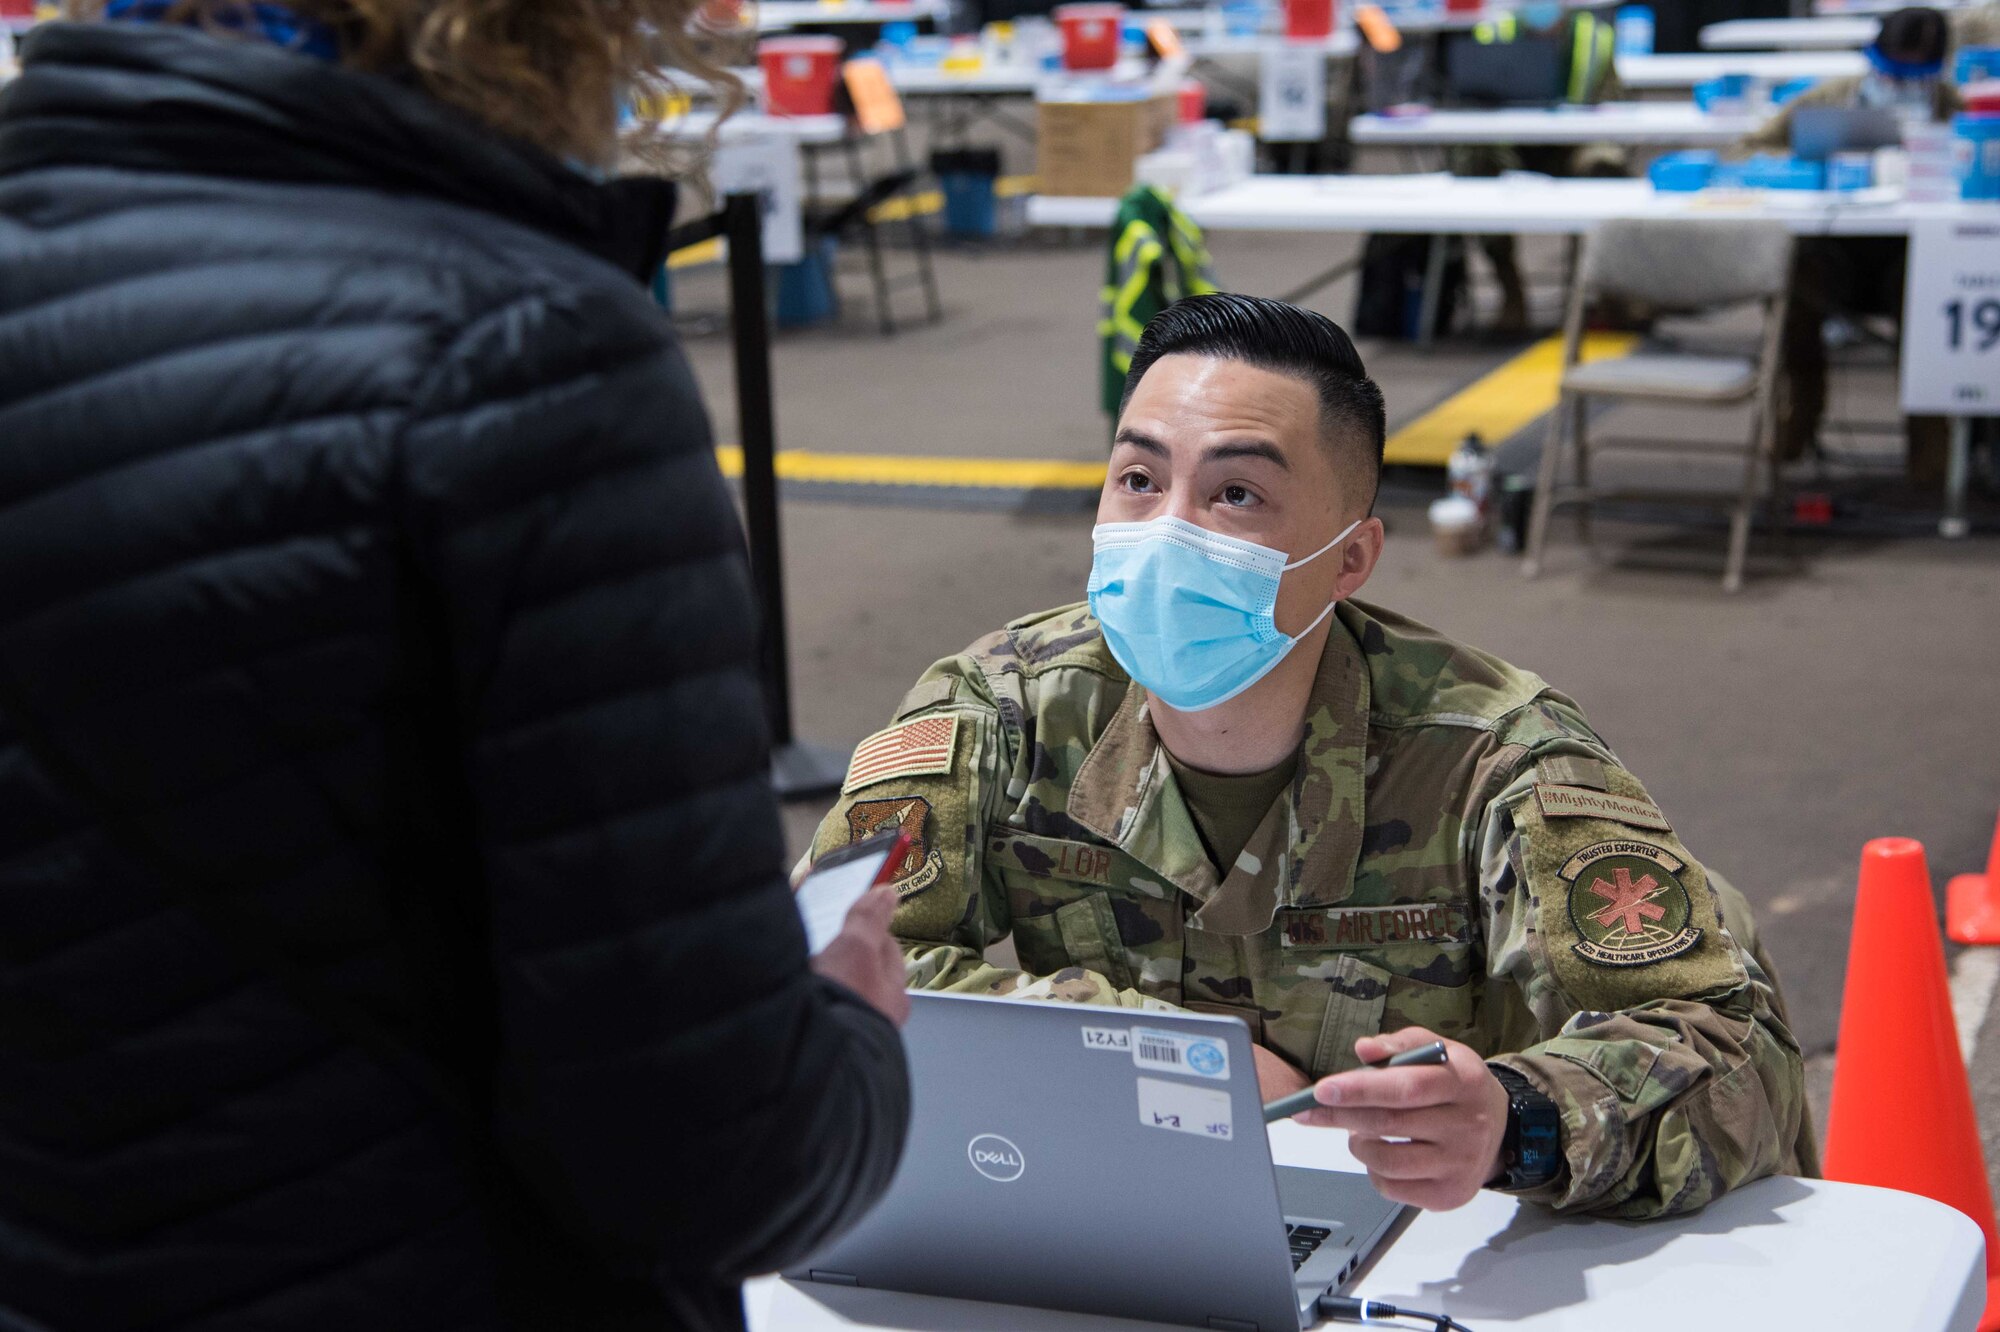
[[1287, 1106]]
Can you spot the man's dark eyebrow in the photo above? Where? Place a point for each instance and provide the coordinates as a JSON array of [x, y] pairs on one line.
[[1248, 448], [1143, 442]]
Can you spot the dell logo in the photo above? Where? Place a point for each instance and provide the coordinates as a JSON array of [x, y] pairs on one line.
[[996, 1158]]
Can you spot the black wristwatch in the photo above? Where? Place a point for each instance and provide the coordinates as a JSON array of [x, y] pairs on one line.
[[1531, 1154]]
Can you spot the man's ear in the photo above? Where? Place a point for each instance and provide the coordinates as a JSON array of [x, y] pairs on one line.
[[1358, 560]]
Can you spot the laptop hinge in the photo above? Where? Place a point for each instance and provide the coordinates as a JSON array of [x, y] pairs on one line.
[[831, 1278], [1221, 1324]]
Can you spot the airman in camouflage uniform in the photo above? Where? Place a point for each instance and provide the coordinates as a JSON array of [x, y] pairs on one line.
[[1457, 850]]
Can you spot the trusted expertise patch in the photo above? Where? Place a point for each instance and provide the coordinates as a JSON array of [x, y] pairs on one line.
[[1628, 906]]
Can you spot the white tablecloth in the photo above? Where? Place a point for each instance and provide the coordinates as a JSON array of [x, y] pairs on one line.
[[1655, 124], [1683, 71], [1831, 32], [1778, 1254], [1504, 205]]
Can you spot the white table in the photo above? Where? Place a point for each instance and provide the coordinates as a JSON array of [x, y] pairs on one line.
[[1424, 25], [1682, 71], [1514, 204], [1780, 1253], [1829, 7], [1341, 45], [1416, 25], [1833, 32], [1652, 124], [986, 81], [699, 123], [778, 15]]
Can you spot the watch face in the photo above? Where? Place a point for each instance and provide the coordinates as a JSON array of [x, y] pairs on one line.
[[1534, 1133]]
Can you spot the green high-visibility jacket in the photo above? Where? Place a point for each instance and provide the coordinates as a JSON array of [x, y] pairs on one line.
[[1590, 55], [1157, 257]]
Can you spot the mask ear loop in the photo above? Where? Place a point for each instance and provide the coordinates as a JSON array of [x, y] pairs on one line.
[[1346, 533], [1321, 617]]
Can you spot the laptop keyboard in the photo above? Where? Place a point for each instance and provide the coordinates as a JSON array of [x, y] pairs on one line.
[[1304, 1240]]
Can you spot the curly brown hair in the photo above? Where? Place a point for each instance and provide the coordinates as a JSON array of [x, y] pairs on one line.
[[552, 72]]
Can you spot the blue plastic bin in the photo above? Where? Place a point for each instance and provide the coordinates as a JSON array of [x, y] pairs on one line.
[[805, 289], [1683, 172], [1978, 154], [967, 177], [1723, 88], [1773, 171], [1975, 63], [969, 205]]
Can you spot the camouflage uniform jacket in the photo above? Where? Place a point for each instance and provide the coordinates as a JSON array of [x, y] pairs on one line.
[[1458, 851]]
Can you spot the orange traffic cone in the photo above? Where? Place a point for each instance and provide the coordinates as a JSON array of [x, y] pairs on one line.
[[1902, 1116], [1972, 902]]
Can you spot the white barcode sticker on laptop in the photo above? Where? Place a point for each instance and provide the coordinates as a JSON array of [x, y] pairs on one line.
[[1185, 1108], [1171, 1052]]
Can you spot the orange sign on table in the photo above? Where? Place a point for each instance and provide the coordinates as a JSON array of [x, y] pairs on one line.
[[877, 108]]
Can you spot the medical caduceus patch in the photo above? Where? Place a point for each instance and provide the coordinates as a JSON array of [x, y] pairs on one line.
[[1628, 906]]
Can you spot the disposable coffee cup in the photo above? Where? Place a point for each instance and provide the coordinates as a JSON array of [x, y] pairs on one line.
[[1456, 525]]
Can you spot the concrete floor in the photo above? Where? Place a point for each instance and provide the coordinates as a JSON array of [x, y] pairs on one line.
[[1851, 691]]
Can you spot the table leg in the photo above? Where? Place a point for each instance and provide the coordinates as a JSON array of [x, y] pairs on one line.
[[1958, 474], [1427, 312]]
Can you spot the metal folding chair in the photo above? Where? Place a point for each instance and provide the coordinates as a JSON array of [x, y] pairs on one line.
[[1681, 266]]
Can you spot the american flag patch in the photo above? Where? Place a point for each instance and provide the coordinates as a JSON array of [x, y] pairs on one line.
[[920, 748]]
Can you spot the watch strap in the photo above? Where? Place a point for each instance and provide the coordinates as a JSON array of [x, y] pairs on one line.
[[1531, 1152]]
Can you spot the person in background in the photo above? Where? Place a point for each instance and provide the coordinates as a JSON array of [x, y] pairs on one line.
[[1835, 277], [397, 934], [1586, 50], [1227, 785]]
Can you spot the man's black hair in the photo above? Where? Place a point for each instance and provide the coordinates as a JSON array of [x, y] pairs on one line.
[[1285, 340], [1915, 35]]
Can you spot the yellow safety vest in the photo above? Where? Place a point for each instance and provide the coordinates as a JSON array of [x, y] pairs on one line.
[[1591, 49]]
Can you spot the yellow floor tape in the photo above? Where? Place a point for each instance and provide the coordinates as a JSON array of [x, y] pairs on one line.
[[895, 210], [888, 469], [1499, 404], [702, 252]]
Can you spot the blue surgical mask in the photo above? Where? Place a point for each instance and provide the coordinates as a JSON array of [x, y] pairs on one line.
[[1190, 613]]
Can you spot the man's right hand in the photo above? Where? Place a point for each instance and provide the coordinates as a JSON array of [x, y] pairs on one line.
[[866, 958]]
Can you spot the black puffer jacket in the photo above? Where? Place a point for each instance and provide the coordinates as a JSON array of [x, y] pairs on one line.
[[365, 575]]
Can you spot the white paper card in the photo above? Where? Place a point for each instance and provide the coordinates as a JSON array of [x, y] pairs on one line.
[[1172, 1052], [767, 166], [1951, 318], [1108, 1038], [1184, 1107], [829, 894], [1291, 97]]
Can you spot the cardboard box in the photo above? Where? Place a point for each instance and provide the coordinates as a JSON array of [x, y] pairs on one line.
[[1089, 149]]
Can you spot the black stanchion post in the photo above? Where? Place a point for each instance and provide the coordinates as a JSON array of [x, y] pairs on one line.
[[798, 768]]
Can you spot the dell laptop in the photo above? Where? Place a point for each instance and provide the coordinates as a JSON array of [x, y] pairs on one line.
[[1105, 1161]]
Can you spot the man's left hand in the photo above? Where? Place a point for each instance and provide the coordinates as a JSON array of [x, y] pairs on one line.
[[1430, 1135]]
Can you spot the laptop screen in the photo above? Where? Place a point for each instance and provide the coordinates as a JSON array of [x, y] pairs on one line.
[[1523, 72], [1818, 132]]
